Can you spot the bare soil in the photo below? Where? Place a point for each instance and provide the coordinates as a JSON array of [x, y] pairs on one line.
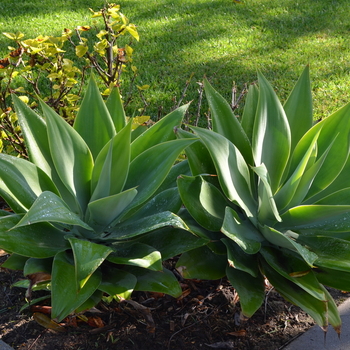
[[207, 316]]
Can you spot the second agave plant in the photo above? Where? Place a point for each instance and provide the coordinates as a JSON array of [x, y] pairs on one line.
[[271, 190]]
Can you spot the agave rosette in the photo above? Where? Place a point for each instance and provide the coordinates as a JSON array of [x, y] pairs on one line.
[[271, 190]]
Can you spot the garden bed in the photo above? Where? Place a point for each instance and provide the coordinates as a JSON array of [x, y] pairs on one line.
[[207, 316]]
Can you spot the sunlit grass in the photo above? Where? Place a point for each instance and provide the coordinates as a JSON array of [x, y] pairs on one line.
[[220, 39]]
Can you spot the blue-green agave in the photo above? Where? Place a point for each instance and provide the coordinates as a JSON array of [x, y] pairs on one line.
[[271, 190], [94, 206]]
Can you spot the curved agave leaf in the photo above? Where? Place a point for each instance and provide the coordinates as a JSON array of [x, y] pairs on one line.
[[332, 277], [316, 308], [171, 241], [41, 240], [233, 172], [249, 112], [71, 156], [155, 281], [112, 166], [160, 132], [198, 156], [226, 123], [298, 108], [242, 232], [115, 107], [335, 127], [251, 290], [341, 197], [131, 228], [21, 182], [155, 163], [102, 212], [34, 132], [283, 240], [48, 207], [118, 283], [203, 200], [88, 256], [64, 293], [333, 253], [292, 267], [286, 194], [93, 121], [240, 260], [136, 254], [15, 262], [208, 265], [271, 135], [267, 209], [316, 217]]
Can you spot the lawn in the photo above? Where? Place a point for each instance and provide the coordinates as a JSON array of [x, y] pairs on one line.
[[218, 38]]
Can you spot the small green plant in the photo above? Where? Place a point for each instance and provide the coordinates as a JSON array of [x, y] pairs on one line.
[[94, 206], [271, 191], [40, 67]]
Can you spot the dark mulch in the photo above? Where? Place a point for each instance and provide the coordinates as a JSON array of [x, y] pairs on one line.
[[206, 317]]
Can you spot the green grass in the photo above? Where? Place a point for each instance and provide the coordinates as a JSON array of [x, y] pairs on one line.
[[220, 39]]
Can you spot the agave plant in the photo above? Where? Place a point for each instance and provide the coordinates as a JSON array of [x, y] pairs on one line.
[[271, 190], [94, 206]]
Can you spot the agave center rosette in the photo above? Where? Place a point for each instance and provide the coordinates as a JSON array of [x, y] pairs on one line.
[[271, 190], [94, 207]]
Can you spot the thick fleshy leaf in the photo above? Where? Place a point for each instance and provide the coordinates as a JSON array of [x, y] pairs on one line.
[[167, 200], [316, 308], [41, 240], [21, 182], [333, 278], [341, 197], [292, 267], [267, 209], [112, 166], [115, 107], [171, 241], [15, 262], [130, 228], [335, 127], [48, 207], [197, 154], [118, 283], [286, 194], [65, 295], [155, 163], [233, 172], [251, 290], [34, 266], [136, 254], [242, 232], [239, 260], [88, 256], [249, 112], [160, 132], [93, 121], [71, 156], [90, 302], [155, 281], [316, 217], [202, 263], [285, 241], [298, 108], [34, 132], [226, 123], [104, 211], [333, 253], [333, 313], [204, 201], [271, 135]]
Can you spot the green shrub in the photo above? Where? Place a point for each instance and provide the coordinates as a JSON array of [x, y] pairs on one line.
[[40, 67], [94, 205], [272, 192]]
